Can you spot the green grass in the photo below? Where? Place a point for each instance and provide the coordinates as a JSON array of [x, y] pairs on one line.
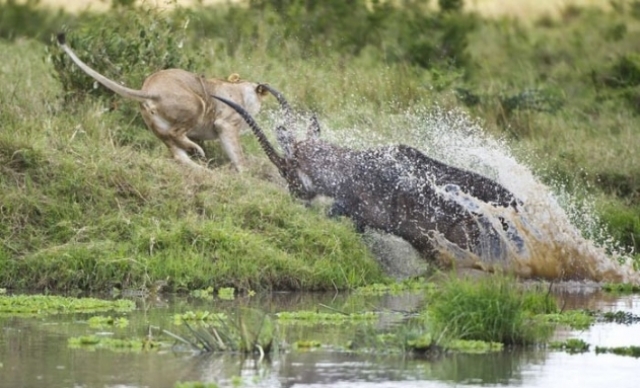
[[492, 309], [80, 211]]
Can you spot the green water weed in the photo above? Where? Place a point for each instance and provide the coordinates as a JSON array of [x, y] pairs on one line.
[[94, 342], [473, 346], [631, 351], [206, 293], [621, 288], [623, 317], [99, 321], [226, 293], [306, 344], [53, 304], [200, 316], [575, 319], [319, 318], [571, 346], [394, 288]]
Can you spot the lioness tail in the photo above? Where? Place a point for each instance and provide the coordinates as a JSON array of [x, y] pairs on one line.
[[112, 85]]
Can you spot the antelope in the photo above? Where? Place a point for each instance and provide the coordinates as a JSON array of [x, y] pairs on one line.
[[396, 189]]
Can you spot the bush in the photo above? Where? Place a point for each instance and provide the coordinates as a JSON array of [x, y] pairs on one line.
[[624, 72], [623, 223], [29, 19], [126, 45], [451, 5], [412, 32]]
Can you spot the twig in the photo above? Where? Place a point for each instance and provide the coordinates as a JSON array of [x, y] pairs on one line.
[[333, 309]]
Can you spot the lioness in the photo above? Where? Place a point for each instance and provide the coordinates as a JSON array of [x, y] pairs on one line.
[[177, 106]]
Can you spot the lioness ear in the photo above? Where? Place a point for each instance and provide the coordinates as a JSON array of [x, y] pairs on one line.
[[235, 77]]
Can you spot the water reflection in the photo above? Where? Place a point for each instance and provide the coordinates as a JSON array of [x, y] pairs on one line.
[[34, 351]]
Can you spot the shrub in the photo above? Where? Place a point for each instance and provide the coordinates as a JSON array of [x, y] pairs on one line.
[[624, 72], [29, 19], [623, 223], [412, 32], [451, 5], [126, 45]]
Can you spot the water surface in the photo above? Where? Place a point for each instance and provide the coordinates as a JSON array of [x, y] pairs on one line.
[[34, 351]]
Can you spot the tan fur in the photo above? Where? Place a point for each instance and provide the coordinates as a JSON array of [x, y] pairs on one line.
[[178, 108]]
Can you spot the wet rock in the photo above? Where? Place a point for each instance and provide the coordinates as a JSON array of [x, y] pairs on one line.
[[397, 257]]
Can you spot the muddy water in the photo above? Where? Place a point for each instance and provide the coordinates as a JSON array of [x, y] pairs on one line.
[[34, 351]]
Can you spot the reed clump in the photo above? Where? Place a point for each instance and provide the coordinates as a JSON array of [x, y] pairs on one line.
[[495, 309]]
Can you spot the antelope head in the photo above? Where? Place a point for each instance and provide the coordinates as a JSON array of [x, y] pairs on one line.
[[299, 183]]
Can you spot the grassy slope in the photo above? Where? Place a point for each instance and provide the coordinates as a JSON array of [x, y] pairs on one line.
[[80, 210]]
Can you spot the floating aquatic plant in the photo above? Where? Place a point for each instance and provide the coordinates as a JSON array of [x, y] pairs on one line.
[[227, 293], [415, 285], [623, 317], [206, 293], [53, 304], [632, 351], [310, 344], [575, 319], [621, 288], [92, 342], [419, 341], [199, 316], [306, 317], [100, 321], [466, 346], [571, 346]]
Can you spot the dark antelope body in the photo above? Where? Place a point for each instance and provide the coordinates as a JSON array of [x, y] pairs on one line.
[[396, 189]]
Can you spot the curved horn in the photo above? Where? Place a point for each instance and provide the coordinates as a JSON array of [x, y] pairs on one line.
[[284, 104], [273, 156]]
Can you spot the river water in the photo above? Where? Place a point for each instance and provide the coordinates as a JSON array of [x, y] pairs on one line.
[[34, 351]]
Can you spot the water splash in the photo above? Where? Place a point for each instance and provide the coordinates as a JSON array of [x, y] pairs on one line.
[[550, 236]]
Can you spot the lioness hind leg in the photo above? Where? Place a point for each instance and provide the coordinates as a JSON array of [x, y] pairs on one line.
[[181, 156], [181, 148], [191, 147]]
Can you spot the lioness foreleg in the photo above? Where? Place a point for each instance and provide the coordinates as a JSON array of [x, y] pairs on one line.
[[231, 144]]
